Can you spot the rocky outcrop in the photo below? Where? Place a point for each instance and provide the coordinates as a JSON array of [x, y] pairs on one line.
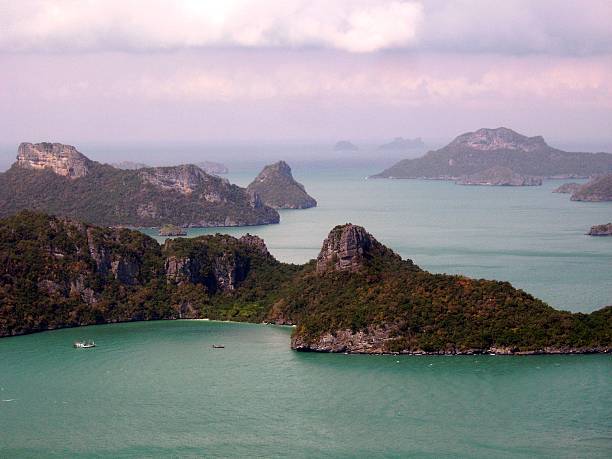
[[499, 176], [184, 179], [568, 188], [474, 152], [598, 189], [601, 230], [220, 267], [172, 230], [348, 248], [276, 187], [62, 159]]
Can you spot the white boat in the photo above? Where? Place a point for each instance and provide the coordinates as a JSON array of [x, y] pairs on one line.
[[84, 344]]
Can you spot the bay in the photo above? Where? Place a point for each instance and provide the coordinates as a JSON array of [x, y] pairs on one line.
[[159, 389]]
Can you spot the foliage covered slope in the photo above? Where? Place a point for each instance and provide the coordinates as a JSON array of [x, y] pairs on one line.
[[358, 296]]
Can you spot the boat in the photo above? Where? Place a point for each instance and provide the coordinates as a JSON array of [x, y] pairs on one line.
[[218, 346], [84, 344]]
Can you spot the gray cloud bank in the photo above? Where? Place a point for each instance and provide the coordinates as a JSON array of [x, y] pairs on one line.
[[560, 27]]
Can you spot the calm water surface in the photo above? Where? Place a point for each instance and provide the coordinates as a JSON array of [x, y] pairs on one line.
[[526, 235], [158, 389]]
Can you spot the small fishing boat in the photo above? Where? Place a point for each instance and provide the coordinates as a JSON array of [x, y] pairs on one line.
[[218, 346], [84, 344]]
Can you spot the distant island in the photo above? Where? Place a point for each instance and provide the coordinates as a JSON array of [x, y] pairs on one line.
[[345, 145], [277, 188], [499, 176], [601, 230], [400, 143], [358, 295], [568, 188], [57, 179], [480, 151], [172, 230], [598, 189]]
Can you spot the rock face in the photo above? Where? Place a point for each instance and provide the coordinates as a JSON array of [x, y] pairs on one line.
[[276, 187], [345, 145], [601, 230], [499, 176], [400, 143], [598, 189], [64, 160], [58, 180], [183, 179], [478, 151], [568, 188], [347, 248]]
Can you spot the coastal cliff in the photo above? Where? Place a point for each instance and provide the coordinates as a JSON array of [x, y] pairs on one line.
[[57, 179], [277, 188], [357, 296]]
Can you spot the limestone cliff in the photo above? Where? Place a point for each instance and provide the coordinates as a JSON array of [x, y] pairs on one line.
[[277, 188], [64, 160]]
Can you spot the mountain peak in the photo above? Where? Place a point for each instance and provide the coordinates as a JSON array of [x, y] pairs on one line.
[[348, 247], [501, 138], [64, 160], [277, 188]]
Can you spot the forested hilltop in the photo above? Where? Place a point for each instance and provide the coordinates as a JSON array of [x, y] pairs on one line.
[[59, 180], [357, 296]]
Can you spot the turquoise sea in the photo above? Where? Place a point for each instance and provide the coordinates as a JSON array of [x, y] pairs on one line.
[[159, 389]]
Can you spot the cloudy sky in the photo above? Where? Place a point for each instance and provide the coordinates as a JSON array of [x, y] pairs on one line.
[[302, 70]]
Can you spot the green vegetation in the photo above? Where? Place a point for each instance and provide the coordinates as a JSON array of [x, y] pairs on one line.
[[57, 273], [108, 196]]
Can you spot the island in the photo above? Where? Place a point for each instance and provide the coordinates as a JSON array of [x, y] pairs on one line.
[[601, 230], [57, 179], [499, 176], [172, 230], [476, 152], [357, 296], [568, 188], [277, 188], [400, 143], [598, 189], [345, 145]]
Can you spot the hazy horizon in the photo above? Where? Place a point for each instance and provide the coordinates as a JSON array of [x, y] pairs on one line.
[[298, 71]]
